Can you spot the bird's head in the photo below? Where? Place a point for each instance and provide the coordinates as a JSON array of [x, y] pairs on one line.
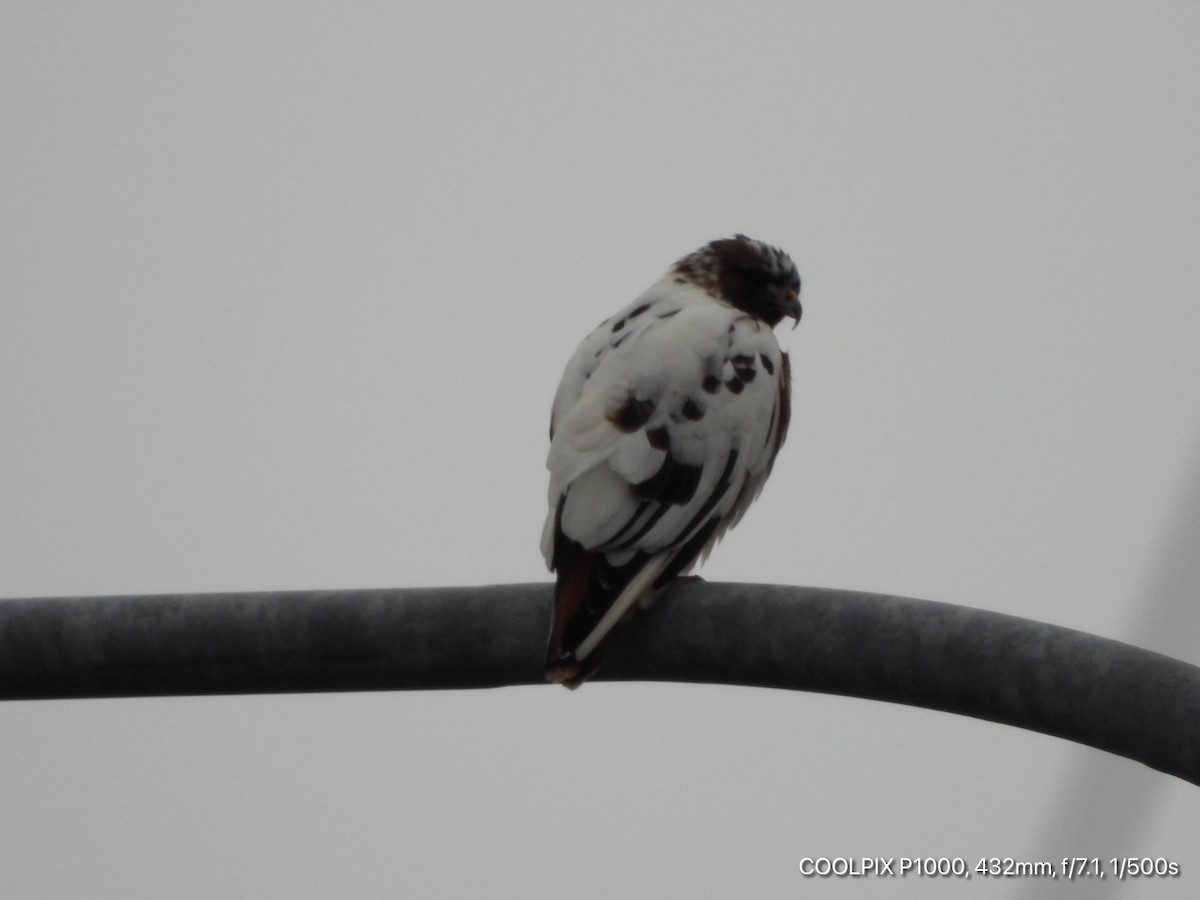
[[755, 277]]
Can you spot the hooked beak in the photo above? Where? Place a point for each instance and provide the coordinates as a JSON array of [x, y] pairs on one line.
[[793, 308]]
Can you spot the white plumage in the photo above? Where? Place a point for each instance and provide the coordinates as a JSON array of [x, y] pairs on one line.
[[663, 431]]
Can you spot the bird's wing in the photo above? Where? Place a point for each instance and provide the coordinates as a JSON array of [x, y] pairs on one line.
[[664, 430]]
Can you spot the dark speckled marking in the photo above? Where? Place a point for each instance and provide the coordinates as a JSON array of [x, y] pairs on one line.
[[735, 385], [659, 439], [711, 384], [668, 315], [641, 309], [767, 364], [679, 279], [631, 415], [621, 339], [743, 367], [691, 410], [618, 325]]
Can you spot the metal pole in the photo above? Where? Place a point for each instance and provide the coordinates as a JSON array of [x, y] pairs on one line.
[[1089, 689]]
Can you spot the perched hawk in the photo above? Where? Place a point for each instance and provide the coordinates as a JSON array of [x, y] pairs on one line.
[[664, 428]]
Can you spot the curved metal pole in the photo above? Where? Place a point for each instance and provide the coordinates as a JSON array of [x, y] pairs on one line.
[[1099, 692]]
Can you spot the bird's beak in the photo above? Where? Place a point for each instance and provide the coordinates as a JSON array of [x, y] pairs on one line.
[[793, 309]]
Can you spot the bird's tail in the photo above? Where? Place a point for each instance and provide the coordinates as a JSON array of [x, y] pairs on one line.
[[590, 598]]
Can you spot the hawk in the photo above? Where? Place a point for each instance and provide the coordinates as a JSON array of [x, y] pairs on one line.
[[663, 430]]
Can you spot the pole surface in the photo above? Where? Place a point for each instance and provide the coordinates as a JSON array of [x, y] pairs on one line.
[[1066, 683]]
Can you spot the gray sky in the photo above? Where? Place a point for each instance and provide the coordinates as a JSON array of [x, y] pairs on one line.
[[285, 292]]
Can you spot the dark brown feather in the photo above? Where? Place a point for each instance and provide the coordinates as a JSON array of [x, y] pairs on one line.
[[586, 586], [784, 405]]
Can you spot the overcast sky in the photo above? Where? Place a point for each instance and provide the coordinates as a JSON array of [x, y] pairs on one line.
[[285, 292]]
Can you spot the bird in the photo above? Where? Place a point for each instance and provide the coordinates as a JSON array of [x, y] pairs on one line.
[[663, 430]]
